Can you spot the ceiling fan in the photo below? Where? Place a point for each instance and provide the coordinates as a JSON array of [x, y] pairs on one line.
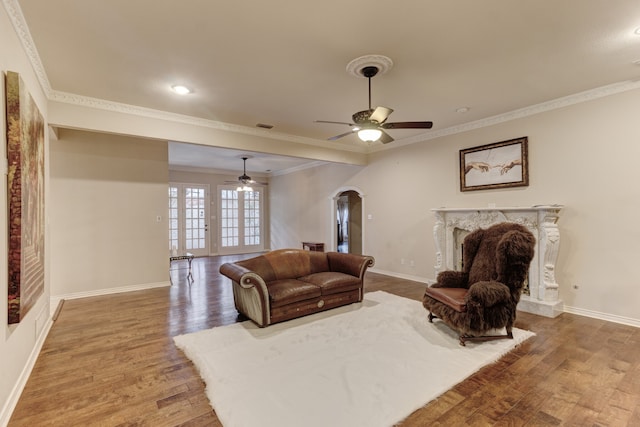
[[245, 180], [372, 123]]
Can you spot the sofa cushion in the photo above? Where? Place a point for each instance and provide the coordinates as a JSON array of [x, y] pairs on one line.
[[290, 263], [282, 292], [332, 282]]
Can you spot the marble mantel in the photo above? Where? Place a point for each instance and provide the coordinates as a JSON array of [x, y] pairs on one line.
[[452, 224]]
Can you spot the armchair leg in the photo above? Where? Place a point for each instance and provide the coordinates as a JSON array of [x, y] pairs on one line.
[[464, 338]]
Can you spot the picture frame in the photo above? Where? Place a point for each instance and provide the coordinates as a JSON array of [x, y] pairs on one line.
[[25, 198], [498, 165]]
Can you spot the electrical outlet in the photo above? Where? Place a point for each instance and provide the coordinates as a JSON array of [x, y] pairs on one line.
[[412, 263], [402, 261]]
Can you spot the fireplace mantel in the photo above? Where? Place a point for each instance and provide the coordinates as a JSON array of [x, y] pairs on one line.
[[452, 224]]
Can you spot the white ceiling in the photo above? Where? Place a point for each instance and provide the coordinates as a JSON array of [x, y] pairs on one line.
[[282, 63]]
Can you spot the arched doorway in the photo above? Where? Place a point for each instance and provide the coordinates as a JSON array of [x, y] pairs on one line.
[[347, 213]]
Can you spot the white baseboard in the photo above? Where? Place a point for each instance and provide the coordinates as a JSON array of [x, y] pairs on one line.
[[55, 299], [566, 309], [603, 316], [402, 276], [18, 387]]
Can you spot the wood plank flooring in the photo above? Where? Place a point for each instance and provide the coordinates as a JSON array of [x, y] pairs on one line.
[[111, 361]]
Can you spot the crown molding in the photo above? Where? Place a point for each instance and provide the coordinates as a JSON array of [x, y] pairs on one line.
[[299, 168], [229, 172], [22, 31], [17, 19], [102, 104], [287, 171], [554, 104]]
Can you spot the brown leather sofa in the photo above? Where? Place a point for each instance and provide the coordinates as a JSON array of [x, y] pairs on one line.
[[288, 283]]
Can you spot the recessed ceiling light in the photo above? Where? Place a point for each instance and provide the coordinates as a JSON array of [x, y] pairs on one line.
[[462, 109], [637, 31], [180, 89]]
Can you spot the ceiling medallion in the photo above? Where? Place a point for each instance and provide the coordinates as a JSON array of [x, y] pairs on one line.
[[381, 62]]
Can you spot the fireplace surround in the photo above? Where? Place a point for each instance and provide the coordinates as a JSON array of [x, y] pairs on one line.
[[541, 295]]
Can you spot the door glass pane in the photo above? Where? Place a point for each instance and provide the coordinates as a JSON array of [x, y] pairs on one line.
[[229, 218], [194, 203], [251, 215], [173, 220]]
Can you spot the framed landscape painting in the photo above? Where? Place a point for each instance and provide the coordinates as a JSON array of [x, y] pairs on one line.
[[498, 165], [25, 193]]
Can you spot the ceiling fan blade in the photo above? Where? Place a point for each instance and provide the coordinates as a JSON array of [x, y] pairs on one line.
[[407, 125], [335, 123], [385, 138], [380, 114], [333, 138]]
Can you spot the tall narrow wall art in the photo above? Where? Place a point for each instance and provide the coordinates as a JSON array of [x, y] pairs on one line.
[[25, 192]]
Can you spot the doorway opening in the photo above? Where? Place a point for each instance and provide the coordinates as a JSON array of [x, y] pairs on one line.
[[348, 211]]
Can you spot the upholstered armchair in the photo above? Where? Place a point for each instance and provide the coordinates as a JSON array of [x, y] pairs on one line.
[[483, 296]]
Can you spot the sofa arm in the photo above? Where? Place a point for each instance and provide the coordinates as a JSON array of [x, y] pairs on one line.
[[250, 293], [488, 294], [352, 264], [451, 279]]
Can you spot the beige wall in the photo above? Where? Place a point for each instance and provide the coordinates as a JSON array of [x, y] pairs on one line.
[[107, 192], [20, 342], [582, 156], [301, 204]]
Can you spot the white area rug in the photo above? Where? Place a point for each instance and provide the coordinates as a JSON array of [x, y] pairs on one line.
[[367, 364]]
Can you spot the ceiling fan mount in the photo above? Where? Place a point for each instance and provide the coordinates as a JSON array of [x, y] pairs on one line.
[[244, 178], [369, 71], [373, 119]]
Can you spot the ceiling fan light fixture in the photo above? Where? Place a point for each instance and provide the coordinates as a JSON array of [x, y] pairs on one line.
[[369, 135], [244, 188]]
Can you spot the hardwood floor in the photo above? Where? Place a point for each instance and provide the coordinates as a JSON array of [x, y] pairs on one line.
[[111, 361]]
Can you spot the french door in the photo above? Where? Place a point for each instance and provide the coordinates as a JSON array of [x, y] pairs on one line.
[[241, 222], [189, 219]]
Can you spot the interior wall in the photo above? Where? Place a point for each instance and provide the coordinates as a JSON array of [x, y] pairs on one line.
[[20, 342], [582, 156], [302, 206], [108, 193], [213, 180]]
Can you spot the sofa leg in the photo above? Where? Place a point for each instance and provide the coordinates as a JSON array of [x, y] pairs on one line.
[[431, 317]]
